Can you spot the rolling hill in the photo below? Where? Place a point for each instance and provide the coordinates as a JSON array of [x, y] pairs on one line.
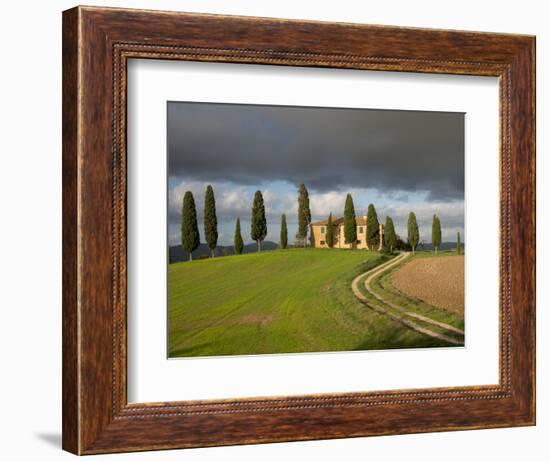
[[282, 301], [178, 254]]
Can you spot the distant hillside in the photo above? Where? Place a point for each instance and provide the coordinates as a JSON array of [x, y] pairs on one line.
[[443, 246], [178, 254]]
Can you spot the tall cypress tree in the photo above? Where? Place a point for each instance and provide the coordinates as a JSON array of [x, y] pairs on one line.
[[458, 245], [329, 237], [390, 239], [304, 213], [436, 232], [238, 241], [373, 228], [412, 230], [190, 239], [350, 226], [258, 223], [210, 220], [284, 232]]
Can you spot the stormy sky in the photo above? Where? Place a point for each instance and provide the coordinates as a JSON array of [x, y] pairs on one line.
[[399, 160]]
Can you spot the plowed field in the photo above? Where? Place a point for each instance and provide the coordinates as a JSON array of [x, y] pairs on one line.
[[438, 281]]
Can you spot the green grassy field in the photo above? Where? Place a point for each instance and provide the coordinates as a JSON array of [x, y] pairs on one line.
[[279, 301]]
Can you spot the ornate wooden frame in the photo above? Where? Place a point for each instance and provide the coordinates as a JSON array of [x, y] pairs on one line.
[[97, 43]]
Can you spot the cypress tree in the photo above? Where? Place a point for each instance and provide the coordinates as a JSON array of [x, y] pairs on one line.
[[390, 239], [304, 213], [412, 230], [210, 220], [458, 245], [258, 223], [190, 239], [238, 241], [436, 232], [329, 237], [284, 232], [350, 226], [373, 228]]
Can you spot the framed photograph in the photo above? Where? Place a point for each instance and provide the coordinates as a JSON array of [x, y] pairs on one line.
[[284, 230]]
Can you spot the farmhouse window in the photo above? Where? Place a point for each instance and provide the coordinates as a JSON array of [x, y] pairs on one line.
[[322, 230], [361, 230]]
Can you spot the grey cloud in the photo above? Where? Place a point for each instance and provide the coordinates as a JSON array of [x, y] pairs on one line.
[[327, 149], [232, 201]]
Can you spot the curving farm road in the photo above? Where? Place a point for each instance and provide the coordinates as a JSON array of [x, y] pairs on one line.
[[399, 313]]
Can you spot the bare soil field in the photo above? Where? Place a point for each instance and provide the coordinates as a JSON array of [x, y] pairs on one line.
[[438, 281]]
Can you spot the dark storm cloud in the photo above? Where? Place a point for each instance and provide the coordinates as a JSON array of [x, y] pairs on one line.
[[325, 148]]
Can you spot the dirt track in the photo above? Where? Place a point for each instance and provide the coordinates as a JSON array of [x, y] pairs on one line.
[[399, 313], [438, 281]]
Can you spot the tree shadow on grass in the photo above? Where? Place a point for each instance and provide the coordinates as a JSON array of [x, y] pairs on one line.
[[389, 340]]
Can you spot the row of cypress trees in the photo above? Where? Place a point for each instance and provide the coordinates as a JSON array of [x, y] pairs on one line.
[[259, 224], [412, 227], [190, 239], [373, 231], [258, 229], [414, 236], [373, 226], [436, 233]]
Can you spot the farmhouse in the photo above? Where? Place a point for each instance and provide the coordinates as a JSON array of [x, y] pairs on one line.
[[319, 231]]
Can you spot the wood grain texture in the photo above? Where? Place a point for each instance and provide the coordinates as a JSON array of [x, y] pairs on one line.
[[70, 384], [97, 43]]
